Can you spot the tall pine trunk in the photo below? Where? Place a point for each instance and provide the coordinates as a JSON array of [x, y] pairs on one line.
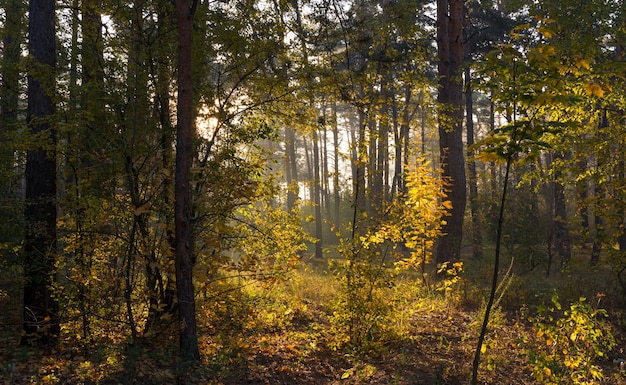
[[450, 116], [562, 242], [41, 320], [182, 189], [291, 168], [359, 159], [317, 191], [477, 239], [10, 188], [336, 192]]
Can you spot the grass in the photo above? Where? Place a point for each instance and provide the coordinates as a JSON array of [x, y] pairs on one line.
[[285, 333]]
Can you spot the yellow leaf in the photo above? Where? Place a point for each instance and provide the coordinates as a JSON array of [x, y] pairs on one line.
[[515, 31], [483, 348], [583, 64], [546, 32], [594, 89], [547, 50], [488, 156]]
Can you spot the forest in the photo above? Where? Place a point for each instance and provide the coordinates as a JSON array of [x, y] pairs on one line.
[[313, 192]]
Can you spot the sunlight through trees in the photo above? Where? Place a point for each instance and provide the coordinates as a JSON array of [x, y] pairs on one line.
[[312, 191]]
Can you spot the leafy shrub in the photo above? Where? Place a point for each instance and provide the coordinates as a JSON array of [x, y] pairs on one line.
[[361, 311], [402, 238], [565, 344]]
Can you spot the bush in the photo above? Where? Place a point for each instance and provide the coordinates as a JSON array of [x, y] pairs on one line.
[[566, 344]]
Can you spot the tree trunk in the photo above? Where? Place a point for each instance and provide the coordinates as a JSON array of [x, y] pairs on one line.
[[41, 320], [291, 167], [162, 294], [11, 41], [324, 159], [317, 195], [477, 239], [336, 192], [401, 143], [372, 192], [182, 188], [85, 141], [10, 176], [359, 167], [450, 116], [596, 245], [380, 180], [562, 242], [548, 193], [309, 169]]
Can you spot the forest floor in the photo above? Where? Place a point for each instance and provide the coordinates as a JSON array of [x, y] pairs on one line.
[[287, 334]]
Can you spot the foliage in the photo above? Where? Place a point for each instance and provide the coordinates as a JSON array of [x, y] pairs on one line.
[[560, 91], [371, 263], [271, 240], [421, 214], [566, 344], [361, 69], [360, 311], [451, 280]]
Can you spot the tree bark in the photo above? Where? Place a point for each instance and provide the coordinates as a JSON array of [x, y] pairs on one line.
[[291, 168], [477, 239], [359, 161], [336, 192], [10, 187], [41, 320], [401, 143], [562, 242], [380, 185], [317, 195], [11, 41], [325, 173], [372, 175], [159, 279], [182, 189], [450, 119]]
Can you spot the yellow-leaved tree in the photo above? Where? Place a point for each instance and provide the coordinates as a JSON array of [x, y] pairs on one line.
[[403, 238], [422, 214]]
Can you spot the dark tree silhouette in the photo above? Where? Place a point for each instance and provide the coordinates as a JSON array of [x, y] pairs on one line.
[[41, 321], [182, 189], [450, 99]]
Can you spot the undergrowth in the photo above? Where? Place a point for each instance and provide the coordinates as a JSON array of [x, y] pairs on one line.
[[412, 332]]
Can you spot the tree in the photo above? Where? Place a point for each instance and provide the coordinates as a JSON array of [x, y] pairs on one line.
[[317, 193], [12, 36], [450, 116], [291, 168], [182, 189], [41, 319], [485, 26]]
